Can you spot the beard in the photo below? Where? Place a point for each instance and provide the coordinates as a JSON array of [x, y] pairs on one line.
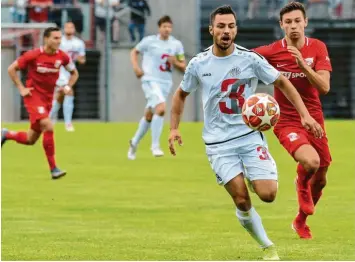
[[224, 47]]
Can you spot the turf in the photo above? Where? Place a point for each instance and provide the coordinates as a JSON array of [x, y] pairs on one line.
[[109, 208]]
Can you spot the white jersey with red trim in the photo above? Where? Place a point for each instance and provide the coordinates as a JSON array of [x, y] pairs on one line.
[[225, 83]]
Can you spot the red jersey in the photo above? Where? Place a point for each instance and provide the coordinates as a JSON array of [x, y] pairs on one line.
[[315, 54], [43, 69]]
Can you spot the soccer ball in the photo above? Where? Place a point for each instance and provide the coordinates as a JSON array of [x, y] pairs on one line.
[[261, 112]]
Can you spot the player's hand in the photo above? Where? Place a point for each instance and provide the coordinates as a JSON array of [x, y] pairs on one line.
[[297, 54], [26, 91], [66, 89], [312, 125], [174, 136], [139, 72], [172, 60]]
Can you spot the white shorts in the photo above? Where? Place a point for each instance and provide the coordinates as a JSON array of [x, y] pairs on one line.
[[62, 81], [248, 155], [155, 93]]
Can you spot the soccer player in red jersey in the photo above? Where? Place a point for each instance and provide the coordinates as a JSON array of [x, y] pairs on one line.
[[42, 66], [305, 62]]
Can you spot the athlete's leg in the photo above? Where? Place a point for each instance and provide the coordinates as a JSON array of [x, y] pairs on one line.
[[57, 103], [68, 109], [157, 128]]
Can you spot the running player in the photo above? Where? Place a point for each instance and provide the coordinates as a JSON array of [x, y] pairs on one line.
[[161, 53], [42, 66], [305, 62], [75, 48], [227, 74]]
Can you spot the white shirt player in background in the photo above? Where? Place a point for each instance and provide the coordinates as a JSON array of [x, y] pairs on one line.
[[161, 53], [227, 74], [75, 48]]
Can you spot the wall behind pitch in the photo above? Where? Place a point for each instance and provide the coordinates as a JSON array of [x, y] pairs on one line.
[[185, 16], [10, 99], [127, 101]]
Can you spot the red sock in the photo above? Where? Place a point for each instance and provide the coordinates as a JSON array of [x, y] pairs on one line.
[[48, 145], [303, 175], [19, 137], [316, 197]]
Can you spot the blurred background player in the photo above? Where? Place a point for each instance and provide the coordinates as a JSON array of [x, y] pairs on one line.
[[306, 63], [227, 74], [75, 48], [161, 53], [43, 66]]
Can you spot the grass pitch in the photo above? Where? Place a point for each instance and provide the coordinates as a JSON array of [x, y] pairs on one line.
[[110, 208]]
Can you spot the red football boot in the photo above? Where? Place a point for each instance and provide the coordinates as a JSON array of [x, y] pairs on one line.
[[302, 230]]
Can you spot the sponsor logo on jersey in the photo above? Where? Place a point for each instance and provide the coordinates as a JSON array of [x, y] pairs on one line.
[[290, 75], [206, 74], [43, 70]]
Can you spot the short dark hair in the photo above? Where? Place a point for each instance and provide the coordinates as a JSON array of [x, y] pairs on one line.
[[222, 10], [292, 7], [165, 19], [49, 30]]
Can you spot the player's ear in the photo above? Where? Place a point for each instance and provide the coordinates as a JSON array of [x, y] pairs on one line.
[[281, 24], [210, 29], [306, 22]]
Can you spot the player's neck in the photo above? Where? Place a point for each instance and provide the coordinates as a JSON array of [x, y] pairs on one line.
[[49, 50], [163, 38], [220, 52], [298, 43]]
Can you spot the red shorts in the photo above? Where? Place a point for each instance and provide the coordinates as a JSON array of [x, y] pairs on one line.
[[38, 108], [291, 138]]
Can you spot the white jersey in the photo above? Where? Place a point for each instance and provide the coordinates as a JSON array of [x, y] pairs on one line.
[[155, 54], [74, 47], [226, 82]]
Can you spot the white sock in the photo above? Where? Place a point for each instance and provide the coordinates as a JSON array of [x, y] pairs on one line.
[[55, 108], [141, 131], [157, 128], [251, 221]]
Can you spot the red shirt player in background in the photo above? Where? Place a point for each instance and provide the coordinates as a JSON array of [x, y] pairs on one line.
[[305, 62], [43, 66]]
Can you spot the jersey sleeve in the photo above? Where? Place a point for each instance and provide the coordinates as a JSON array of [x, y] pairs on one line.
[[190, 81], [264, 71], [25, 59], [142, 46], [81, 50], [322, 58], [68, 63], [180, 53]]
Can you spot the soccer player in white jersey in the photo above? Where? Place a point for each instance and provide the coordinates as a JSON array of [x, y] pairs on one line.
[[161, 53], [75, 48], [227, 74]]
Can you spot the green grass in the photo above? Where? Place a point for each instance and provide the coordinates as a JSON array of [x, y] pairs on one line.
[[109, 208]]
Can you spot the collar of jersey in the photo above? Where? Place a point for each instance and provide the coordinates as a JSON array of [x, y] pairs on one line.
[[222, 57]]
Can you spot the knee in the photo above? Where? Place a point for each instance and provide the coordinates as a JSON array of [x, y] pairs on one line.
[[311, 165], [160, 109], [268, 196], [31, 141], [242, 202], [148, 117]]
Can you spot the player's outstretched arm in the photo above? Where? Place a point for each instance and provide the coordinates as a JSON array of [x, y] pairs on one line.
[[134, 60], [177, 109], [294, 97], [74, 76]]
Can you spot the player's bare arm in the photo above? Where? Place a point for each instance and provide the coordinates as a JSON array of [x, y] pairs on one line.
[[319, 79], [134, 60], [74, 75], [178, 63], [177, 109], [294, 97], [12, 70]]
